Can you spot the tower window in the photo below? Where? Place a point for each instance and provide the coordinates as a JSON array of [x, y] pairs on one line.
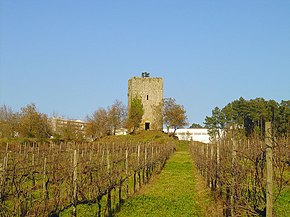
[[147, 97]]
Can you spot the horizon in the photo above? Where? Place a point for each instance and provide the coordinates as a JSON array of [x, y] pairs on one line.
[[72, 58]]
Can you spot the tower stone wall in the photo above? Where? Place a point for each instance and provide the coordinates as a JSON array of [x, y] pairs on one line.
[[150, 91]]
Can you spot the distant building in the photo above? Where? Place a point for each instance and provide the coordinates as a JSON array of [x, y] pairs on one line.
[[150, 91], [58, 124], [121, 131], [199, 134]]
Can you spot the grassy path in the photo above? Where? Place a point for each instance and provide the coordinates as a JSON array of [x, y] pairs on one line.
[[173, 193]]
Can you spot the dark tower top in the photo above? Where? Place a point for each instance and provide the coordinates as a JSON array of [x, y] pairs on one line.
[[145, 74]]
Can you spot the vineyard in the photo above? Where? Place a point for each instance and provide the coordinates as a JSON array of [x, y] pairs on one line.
[[48, 179], [247, 175]]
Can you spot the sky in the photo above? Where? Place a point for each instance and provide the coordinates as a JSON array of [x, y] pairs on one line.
[[72, 57]]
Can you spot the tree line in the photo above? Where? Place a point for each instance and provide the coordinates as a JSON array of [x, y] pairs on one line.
[[32, 124], [249, 117], [28, 123]]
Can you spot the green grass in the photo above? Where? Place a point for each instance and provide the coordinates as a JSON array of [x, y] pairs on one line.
[[282, 205], [140, 136], [173, 193], [82, 210]]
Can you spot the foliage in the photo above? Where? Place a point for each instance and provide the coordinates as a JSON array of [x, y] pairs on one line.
[[33, 124], [8, 122], [195, 126], [135, 114], [29, 123], [69, 132], [249, 116], [215, 123], [174, 115]]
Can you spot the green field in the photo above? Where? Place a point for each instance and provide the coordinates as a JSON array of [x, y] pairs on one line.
[[282, 204], [177, 191]]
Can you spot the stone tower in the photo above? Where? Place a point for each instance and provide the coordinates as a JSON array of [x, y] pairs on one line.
[[150, 91]]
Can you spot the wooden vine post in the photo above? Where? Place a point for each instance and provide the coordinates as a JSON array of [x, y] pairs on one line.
[[75, 173], [211, 167], [127, 177], [207, 164], [152, 160], [233, 184], [145, 162], [139, 175], [44, 180], [120, 180], [3, 169], [217, 164], [109, 198], [269, 174]]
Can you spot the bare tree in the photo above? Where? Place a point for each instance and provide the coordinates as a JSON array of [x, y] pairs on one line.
[[116, 116], [174, 115], [8, 122], [98, 124]]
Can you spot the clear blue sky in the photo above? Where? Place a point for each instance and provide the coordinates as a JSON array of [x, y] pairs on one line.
[[72, 57]]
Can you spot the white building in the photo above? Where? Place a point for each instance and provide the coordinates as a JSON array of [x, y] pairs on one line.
[[58, 124], [196, 134], [121, 131]]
